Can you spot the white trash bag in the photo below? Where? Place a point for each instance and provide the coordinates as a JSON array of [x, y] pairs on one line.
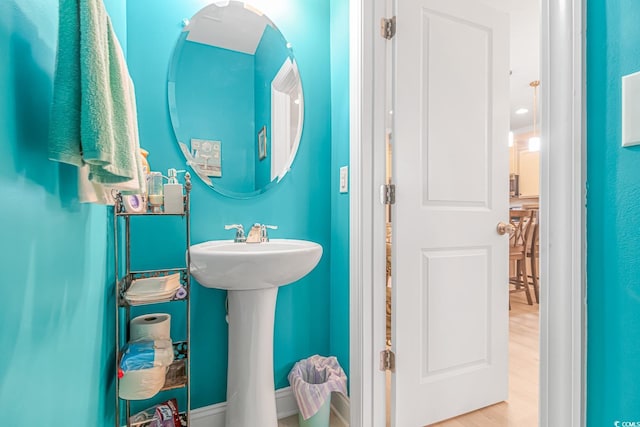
[[313, 380]]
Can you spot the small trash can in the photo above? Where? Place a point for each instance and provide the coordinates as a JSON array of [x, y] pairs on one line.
[[312, 381]]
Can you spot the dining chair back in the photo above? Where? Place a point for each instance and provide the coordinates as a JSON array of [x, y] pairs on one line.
[[519, 244], [533, 253]]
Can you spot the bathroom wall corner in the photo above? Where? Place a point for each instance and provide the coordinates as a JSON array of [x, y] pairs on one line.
[[339, 298]]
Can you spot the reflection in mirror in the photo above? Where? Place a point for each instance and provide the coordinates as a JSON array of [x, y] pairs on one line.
[[235, 99]]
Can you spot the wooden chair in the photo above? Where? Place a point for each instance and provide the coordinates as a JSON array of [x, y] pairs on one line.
[[519, 244], [533, 253]]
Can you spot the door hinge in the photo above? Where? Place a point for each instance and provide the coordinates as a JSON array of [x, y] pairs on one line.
[[387, 360], [388, 27], [388, 194]]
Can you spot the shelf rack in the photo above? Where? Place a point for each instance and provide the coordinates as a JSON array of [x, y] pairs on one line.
[[179, 372]]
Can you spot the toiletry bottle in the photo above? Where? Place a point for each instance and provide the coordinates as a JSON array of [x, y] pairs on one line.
[[154, 192], [145, 162], [173, 196], [146, 169]]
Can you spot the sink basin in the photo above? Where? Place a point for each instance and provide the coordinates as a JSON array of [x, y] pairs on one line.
[[223, 264], [252, 273]]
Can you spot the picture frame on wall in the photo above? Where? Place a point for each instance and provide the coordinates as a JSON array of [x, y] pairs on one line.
[[262, 143]]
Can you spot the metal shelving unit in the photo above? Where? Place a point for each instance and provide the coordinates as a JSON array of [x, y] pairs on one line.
[[178, 373]]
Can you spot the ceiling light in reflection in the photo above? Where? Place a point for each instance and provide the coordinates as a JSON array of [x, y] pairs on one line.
[[534, 143]]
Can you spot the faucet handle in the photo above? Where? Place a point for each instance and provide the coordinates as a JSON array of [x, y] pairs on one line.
[[264, 236], [240, 237], [236, 226]]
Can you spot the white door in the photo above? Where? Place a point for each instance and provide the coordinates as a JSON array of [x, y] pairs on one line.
[[451, 171]]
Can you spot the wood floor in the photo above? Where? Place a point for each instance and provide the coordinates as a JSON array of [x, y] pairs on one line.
[[292, 421], [521, 410]]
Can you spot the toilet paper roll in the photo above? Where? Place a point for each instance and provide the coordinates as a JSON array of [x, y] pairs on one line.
[[142, 384], [155, 326]]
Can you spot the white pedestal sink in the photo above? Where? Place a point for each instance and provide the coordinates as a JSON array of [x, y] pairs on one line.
[[252, 273]]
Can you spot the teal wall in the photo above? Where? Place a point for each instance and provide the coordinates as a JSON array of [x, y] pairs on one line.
[[56, 323], [613, 227], [339, 331], [300, 205]]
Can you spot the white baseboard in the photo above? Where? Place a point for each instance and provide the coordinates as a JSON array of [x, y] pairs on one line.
[[286, 403], [209, 416], [214, 415]]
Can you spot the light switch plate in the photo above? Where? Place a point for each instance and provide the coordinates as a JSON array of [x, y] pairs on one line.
[[631, 109], [344, 179]]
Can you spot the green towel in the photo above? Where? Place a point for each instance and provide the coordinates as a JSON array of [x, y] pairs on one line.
[[99, 126], [64, 131]]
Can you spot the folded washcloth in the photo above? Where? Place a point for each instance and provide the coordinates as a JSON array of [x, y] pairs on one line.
[[93, 116], [313, 380]]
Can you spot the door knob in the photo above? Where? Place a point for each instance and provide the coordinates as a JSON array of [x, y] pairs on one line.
[[504, 228]]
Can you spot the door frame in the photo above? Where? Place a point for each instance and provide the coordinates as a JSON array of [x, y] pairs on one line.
[[562, 240]]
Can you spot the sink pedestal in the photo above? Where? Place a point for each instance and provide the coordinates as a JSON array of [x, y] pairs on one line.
[[251, 399], [251, 273]]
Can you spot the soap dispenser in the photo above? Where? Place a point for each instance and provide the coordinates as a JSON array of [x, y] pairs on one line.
[[173, 195]]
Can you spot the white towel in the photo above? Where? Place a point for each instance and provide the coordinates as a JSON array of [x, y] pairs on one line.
[[89, 192]]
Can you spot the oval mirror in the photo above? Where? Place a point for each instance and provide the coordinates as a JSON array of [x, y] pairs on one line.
[[235, 99]]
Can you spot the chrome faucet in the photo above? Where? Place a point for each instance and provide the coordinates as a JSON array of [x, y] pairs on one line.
[[258, 233], [240, 237]]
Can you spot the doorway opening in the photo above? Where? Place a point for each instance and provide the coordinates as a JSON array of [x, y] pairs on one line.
[[561, 209], [524, 197], [521, 406]]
